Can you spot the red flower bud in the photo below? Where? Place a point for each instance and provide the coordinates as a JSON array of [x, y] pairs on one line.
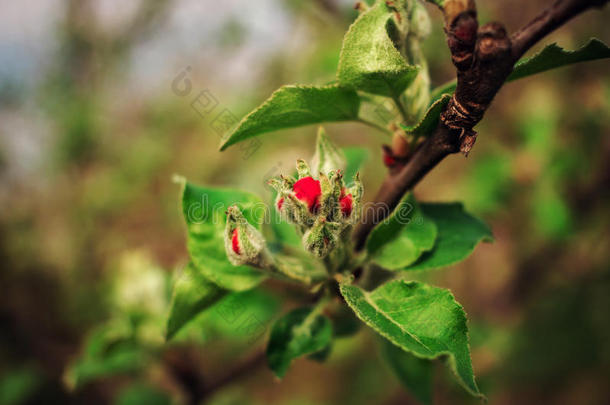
[[346, 204], [308, 190], [280, 202], [235, 242]]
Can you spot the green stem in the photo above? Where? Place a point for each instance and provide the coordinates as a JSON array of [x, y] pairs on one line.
[[373, 125]]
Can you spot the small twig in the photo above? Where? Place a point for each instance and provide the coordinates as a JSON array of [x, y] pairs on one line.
[[185, 367]]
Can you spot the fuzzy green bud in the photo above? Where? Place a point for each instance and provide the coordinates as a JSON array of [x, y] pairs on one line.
[[329, 199], [321, 238], [323, 209], [244, 244]]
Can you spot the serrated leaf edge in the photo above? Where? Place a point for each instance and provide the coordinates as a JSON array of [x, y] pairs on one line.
[[451, 358], [226, 143], [485, 238]]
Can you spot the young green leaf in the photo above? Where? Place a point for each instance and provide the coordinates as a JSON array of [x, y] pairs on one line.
[[294, 106], [428, 124], [327, 156], [204, 211], [554, 56], [458, 234], [415, 374], [240, 318], [298, 333], [423, 320], [551, 57], [401, 239], [192, 293], [369, 61], [391, 227], [355, 158]]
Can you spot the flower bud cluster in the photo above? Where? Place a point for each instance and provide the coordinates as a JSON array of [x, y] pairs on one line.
[[322, 207]]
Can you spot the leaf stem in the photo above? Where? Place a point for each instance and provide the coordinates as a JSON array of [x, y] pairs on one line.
[[376, 126]]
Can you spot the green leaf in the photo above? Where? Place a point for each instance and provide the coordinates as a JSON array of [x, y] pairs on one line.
[[427, 124], [458, 235], [298, 333], [355, 158], [369, 60], [327, 156], [192, 294], [423, 320], [551, 57], [402, 238], [294, 106], [240, 318], [283, 232], [391, 227], [415, 374], [204, 211]]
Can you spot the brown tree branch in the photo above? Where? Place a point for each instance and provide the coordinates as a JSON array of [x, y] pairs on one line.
[[483, 58], [549, 20], [185, 367]]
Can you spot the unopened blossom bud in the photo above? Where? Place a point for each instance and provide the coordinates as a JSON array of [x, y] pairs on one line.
[[331, 191], [244, 244], [295, 210], [321, 238], [323, 209], [282, 185], [327, 156]]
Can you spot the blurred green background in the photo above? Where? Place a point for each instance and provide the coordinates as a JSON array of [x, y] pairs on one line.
[[102, 101]]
